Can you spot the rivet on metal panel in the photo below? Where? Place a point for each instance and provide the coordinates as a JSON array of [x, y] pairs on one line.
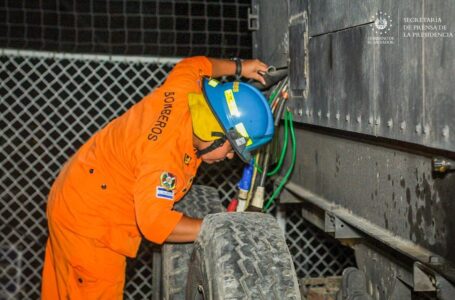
[[348, 118], [91, 171], [103, 186], [378, 121], [359, 119], [319, 114], [300, 112], [426, 129], [403, 125], [390, 123], [374, 257], [307, 112], [445, 131], [370, 120], [418, 129], [337, 116], [345, 231], [327, 115]]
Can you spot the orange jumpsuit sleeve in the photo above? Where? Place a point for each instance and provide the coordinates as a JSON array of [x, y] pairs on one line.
[[153, 205], [188, 71]]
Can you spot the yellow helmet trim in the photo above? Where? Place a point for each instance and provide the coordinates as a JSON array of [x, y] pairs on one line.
[[204, 122]]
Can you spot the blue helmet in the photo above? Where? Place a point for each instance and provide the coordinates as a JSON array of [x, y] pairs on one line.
[[243, 113]]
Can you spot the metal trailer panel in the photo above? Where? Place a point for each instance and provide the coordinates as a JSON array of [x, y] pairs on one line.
[[400, 91], [333, 15], [271, 41], [371, 118], [438, 71]]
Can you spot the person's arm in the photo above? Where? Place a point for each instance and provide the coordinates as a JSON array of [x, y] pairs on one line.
[[251, 68], [186, 230]]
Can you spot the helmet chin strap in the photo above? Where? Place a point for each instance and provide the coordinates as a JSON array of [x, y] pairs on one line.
[[216, 144]]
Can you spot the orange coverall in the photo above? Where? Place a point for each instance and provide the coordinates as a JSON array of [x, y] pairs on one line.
[[120, 184]]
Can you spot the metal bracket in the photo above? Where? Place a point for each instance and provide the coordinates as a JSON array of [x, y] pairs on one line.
[[329, 225], [423, 281], [340, 229], [298, 54], [426, 279], [253, 17]]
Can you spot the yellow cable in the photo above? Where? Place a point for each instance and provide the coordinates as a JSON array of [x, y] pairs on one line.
[[253, 179]]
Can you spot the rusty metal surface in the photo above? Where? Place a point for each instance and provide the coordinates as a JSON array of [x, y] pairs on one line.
[[359, 230], [392, 189]]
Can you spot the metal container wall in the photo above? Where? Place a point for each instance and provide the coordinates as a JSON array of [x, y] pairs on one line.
[[373, 104]]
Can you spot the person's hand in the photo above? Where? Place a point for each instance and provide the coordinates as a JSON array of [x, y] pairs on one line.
[[254, 69]]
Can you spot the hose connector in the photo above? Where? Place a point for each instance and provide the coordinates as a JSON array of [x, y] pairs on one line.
[[244, 187], [258, 200]]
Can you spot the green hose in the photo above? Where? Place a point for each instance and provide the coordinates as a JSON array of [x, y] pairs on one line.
[[272, 98], [282, 155], [288, 119], [274, 94]]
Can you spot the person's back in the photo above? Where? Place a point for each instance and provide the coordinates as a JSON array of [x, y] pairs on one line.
[[106, 174]]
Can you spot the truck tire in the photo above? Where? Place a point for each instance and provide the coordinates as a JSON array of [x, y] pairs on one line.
[[241, 256], [199, 202]]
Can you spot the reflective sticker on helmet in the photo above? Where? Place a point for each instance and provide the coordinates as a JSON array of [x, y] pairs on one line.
[[242, 130], [235, 86], [230, 100], [240, 141], [213, 83]]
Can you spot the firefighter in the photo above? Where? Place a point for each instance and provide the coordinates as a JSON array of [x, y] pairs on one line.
[[122, 183]]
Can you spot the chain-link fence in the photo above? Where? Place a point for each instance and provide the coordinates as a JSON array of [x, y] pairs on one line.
[[49, 107], [50, 104], [134, 27], [314, 252]]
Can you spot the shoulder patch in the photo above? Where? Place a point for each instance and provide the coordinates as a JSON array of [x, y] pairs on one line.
[[163, 193], [168, 181]]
